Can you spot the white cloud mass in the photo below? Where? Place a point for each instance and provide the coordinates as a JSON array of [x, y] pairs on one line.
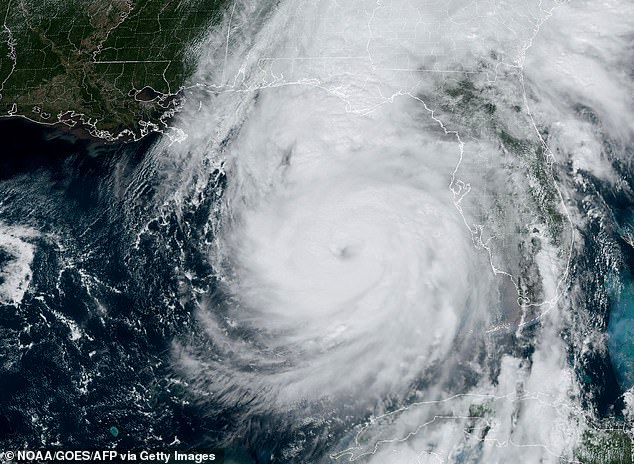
[[389, 201]]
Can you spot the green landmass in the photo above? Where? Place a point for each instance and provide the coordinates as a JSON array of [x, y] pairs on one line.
[[474, 108], [609, 446], [110, 66]]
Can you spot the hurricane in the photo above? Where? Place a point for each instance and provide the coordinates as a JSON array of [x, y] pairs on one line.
[[394, 223], [386, 231]]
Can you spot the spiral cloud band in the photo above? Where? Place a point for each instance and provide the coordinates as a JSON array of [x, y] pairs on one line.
[[357, 247], [390, 243]]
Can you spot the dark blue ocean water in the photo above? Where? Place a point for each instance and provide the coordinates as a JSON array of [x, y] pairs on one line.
[[621, 333], [55, 386], [621, 319]]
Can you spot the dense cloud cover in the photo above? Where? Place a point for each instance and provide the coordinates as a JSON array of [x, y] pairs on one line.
[[398, 222]]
